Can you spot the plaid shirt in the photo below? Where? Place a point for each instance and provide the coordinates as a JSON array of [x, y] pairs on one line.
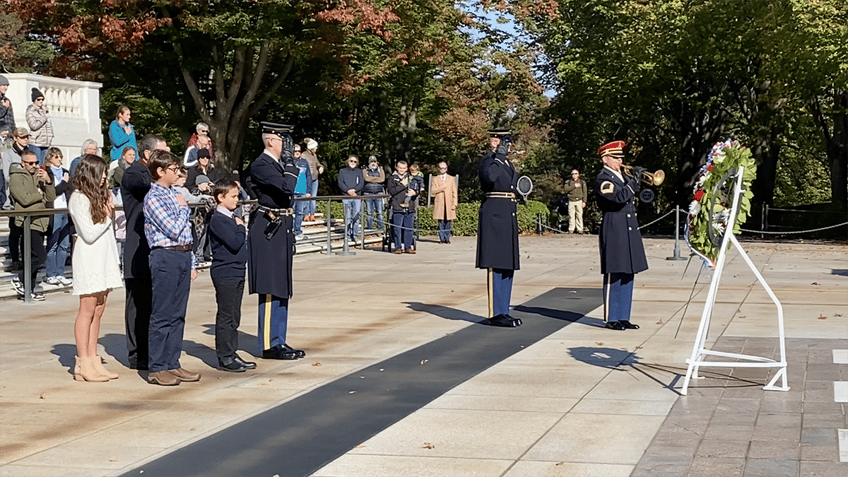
[[166, 222]]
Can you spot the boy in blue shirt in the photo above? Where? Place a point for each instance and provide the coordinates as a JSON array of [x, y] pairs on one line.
[[167, 227], [228, 236]]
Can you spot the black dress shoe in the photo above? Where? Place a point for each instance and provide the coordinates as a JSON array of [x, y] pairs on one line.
[[299, 352], [246, 364], [231, 365], [502, 321], [517, 321], [615, 325], [629, 325], [278, 352]]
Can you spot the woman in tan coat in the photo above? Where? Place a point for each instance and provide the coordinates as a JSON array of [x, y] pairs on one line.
[[444, 192]]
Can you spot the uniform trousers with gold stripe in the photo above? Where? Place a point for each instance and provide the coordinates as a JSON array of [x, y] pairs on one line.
[[273, 321], [618, 296], [500, 290]]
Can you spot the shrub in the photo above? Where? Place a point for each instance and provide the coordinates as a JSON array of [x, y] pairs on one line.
[[467, 217]]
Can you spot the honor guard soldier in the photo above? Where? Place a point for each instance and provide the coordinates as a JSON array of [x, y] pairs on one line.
[[622, 254], [497, 234], [270, 239]]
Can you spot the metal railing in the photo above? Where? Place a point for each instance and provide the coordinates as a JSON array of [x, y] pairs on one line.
[[29, 214]]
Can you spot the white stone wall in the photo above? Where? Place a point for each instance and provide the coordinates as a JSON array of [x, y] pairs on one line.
[[73, 106]]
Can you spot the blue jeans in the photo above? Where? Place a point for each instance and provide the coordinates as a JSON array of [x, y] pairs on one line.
[[300, 209], [444, 230], [402, 223], [372, 205], [58, 246], [351, 210], [313, 189]]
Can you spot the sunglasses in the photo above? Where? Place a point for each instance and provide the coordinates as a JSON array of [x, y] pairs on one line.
[[30, 163]]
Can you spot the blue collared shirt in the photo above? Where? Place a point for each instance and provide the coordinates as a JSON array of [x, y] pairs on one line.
[[166, 222]]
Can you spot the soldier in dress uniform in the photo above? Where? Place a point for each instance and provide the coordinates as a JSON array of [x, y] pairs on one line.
[[270, 239], [622, 254], [497, 234]]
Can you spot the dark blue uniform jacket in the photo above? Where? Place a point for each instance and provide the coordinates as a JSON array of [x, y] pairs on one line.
[[497, 232], [270, 270], [620, 240]]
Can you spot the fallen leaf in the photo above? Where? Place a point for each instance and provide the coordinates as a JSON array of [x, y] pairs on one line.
[[558, 464], [427, 445], [360, 446], [192, 429], [424, 361], [660, 322], [822, 317], [41, 396], [638, 347], [837, 314], [742, 316], [815, 283], [317, 363], [598, 343]]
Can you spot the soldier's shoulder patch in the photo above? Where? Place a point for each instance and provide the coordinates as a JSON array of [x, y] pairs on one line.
[[607, 187]]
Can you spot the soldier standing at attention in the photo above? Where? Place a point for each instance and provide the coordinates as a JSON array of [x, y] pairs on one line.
[[622, 254], [270, 239], [497, 234]]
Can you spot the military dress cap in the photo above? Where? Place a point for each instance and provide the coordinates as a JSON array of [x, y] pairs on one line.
[[499, 132], [614, 149], [274, 128]]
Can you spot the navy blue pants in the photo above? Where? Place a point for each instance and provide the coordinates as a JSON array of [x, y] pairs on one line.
[[618, 296], [273, 321], [171, 274], [500, 290]]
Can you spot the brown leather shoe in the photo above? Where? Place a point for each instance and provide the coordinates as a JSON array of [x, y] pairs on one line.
[[398, 251], [411, 251], [163, 378], [183, 374]]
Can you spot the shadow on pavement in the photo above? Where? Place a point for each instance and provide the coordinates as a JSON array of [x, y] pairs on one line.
[[445, 312]]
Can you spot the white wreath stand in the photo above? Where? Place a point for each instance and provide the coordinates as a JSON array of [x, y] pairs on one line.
[[699, 353]]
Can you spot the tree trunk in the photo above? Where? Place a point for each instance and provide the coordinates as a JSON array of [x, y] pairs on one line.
[[835, 143]]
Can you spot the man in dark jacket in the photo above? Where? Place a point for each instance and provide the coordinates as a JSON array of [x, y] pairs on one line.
[[137, 279], [497, 234], [622, 254], [270, 239], [351, 182]]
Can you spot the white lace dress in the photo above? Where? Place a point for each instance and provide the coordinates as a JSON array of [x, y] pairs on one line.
[[95, 258]]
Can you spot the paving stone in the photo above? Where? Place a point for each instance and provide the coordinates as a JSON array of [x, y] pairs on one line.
[[662, 466], [823, 469], [819, 444], [723, 448], [712, 467], [788, 449], [771, 468]]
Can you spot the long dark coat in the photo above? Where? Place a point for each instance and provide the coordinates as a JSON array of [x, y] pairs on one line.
[[134, 186], [620, 240], [270, 265], [497, 231]]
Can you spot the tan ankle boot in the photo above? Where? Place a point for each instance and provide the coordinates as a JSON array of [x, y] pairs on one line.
[[87, 371], [98, 366]]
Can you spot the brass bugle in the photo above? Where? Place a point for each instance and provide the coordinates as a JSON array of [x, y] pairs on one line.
[[649, 178]]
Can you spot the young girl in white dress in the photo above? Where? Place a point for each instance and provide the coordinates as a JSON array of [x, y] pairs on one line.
[[95, 262]]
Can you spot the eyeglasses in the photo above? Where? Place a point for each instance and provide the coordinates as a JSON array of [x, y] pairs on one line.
[[204, 131], [443, 168], [173, 168], [30, 163]]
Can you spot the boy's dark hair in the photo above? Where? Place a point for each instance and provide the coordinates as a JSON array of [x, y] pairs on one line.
[[161, 159], [222, 187]]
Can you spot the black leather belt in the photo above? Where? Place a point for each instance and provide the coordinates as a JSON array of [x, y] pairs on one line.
[[178, 248]]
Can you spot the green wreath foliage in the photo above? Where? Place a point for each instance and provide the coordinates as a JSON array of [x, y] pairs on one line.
[[713, 191]]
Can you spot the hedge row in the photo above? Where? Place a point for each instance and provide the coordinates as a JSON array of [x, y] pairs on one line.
[[466, 217]]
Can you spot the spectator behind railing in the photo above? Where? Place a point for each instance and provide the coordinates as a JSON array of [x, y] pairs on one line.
[[89, 146], [31, 189], [351, 182], [40, 125], [315, 170], [59, 238], [121, 133], [117, 174], [201, 178], [302, 189], [375, 178], [95, 263], [402, 214]]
